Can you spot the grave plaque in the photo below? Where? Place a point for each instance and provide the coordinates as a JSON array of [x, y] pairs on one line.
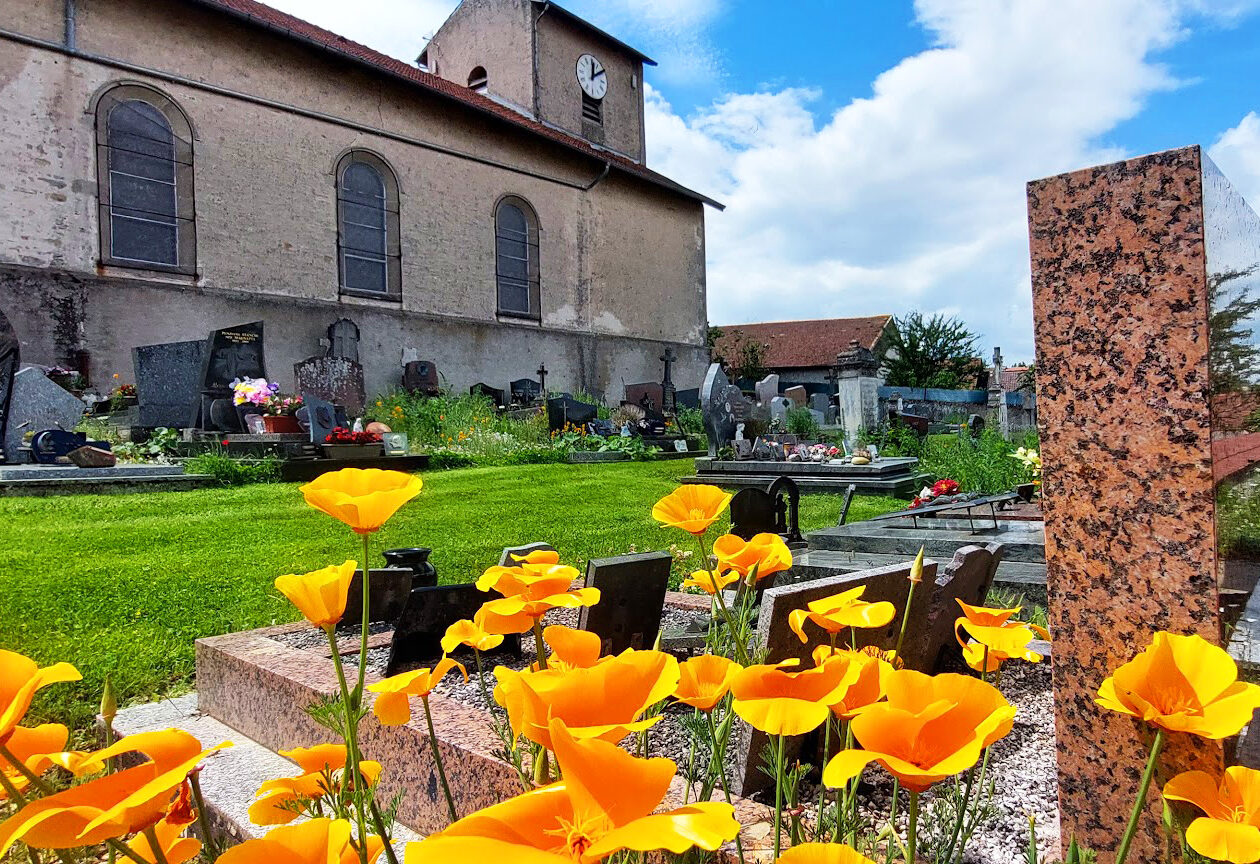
[[688, 398], [632, 597], [820, 402], [568, 410], [232, 353], [779, 408], [506, 559], [417, 639], [10, 359], [320, 416], [343, 339], [37, 404], [421, 376], [525, 391], [724, 407], [650, 397], [168, 382], [335, 379]]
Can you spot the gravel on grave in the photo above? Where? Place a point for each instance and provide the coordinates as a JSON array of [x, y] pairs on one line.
[[1022, 765]]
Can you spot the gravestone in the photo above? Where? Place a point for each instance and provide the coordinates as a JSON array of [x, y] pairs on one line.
[[320, 416], [650, 397], [566, 409], [632, 597], [343, 340], [334, 379], [37, 404], [168, 381], [525, 391], [418, 632], [779, 408], [10, 359], [967, 577], [743, 448], [767, 388], [724, 407], [752, 513], [820, 402], [819, 417], [506, 559], [786, 496], [798, 395], [421, 376], [497, 396], [669, 393], [390, 587], [230, 354], [689, 398]]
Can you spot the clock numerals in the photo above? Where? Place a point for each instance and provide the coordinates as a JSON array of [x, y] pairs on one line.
[[592, 76]]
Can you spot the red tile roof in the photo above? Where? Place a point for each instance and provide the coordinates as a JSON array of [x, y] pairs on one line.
[[1012, 377], [292, 27], [804, 344]]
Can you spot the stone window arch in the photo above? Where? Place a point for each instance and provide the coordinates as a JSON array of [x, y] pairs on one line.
[[368, 252], [145, 200], [516, 258], [478, 79]]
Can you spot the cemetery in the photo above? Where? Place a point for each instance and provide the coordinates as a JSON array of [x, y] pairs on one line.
[[660, 624]]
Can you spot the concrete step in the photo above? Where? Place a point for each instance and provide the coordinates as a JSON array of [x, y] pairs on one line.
[[232, 776], [1016, 575], [1024, 541]]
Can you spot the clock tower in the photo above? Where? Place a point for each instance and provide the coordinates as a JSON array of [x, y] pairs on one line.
[[547, 63]]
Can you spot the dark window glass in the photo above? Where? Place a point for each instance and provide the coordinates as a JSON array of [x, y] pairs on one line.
[[143, 191], [368, 226], [516, 259]]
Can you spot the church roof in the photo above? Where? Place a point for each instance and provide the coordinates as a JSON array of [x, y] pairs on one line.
[[804, 344], [292, 27]]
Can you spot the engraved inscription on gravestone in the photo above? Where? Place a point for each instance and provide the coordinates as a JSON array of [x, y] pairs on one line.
[[232, 353]]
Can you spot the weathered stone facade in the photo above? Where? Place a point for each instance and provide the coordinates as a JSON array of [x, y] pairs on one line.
[[621, 250]]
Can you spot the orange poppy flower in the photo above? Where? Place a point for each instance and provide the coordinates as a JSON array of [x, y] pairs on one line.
[[1229, 830], [317, 841], [572, 648], [711, 581], [606, 802], [1182, 684], [704, 680], [765, 553], [823, 853], [20, 677], [931, 727], [691, 508], [176, 849], [604, 701], [32, 747], [279, 800], [868, 688], [839, 612], [781, 701], [362, 498], [321, 594], [529, 590], [471, 633], [112, 805], [392, 706], [993, 629]]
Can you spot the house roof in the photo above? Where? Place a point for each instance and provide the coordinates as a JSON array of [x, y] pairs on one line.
[[1012, 376], [805, 344], [289, 26], [552, 7]]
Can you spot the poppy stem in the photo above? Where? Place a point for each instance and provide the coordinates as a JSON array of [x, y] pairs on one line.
[[905, 619], [20, 801], [778, 796], [912, 829], [1140, 804], [203, 817], [363, 636], [482, 681], [539, 647], [437, 760], [351, 706], [892, 816], [719, 752], [155, 845], [43, 788]]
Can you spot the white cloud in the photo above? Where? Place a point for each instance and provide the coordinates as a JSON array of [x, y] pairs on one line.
[[1237, 154], [398, 28], [914, 197]]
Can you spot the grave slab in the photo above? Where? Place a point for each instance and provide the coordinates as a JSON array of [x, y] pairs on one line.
[[632, 595], [168, 382]]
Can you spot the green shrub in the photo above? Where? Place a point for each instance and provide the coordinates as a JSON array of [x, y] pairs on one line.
[[801, 422], [1238, 518], [690, 421], [234, 472], [160, 445], [984, 465]]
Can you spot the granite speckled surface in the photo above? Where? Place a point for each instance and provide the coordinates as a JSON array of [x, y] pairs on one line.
[[1121, 309]]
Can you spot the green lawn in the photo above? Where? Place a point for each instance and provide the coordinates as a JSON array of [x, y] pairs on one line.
[[123, 584]]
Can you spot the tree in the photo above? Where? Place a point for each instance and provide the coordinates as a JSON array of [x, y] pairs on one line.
[[936, 352], [1234, 356], [742, 357]]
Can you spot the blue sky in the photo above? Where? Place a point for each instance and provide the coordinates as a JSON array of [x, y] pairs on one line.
[[873, 155]]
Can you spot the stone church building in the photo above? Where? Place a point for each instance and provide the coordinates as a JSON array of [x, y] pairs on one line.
[[170, 167]]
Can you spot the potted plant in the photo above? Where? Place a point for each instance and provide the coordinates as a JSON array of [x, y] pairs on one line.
[[342, 443], [281, 413]]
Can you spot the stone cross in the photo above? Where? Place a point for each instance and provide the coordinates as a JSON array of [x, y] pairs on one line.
[[542, 378], [668, 402], [343, 339]]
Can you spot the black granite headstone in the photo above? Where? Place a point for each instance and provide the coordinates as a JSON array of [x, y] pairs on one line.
[[688, 398], [232, 353], [320, 417], [497, 396], [525, 391], [418, 633], [10, 358], [632, 598], [168, 380], [565, 409], [752, 513]]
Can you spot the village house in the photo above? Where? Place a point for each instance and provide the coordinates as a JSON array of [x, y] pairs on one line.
[[803, 352], [169, 167]]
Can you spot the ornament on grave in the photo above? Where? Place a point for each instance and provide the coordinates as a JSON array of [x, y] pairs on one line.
[[320, 417], [54, 445], [421, 376]]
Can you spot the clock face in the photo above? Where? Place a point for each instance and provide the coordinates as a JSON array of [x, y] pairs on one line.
[[592, 76]]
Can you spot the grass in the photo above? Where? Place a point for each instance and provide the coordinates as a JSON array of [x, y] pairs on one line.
[[124, 584]]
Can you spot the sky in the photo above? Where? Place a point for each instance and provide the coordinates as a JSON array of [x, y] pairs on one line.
[[873, 156]]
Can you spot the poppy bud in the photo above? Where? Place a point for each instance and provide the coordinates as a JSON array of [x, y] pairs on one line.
[[916, 569], [109, 701]]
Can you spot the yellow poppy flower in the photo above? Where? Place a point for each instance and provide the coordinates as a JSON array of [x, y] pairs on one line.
[[362, 498], [839, 612], [531, 588], [779, 700], [823, 853], [20, 677], [320, 595], [606, 802], [317, 841], [704, 680], [766, 553], [112, 805], [277, 798], [867, 688], [175, 848], [1182, 684], [471, 633], [693, 508], [931, 727], [993, 629], [711, 581], [1229, 830], [603, 701], [392, 706], [32, 747]]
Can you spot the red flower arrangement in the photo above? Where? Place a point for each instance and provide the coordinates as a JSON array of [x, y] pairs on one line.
[[341, 435], [940, 489]]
